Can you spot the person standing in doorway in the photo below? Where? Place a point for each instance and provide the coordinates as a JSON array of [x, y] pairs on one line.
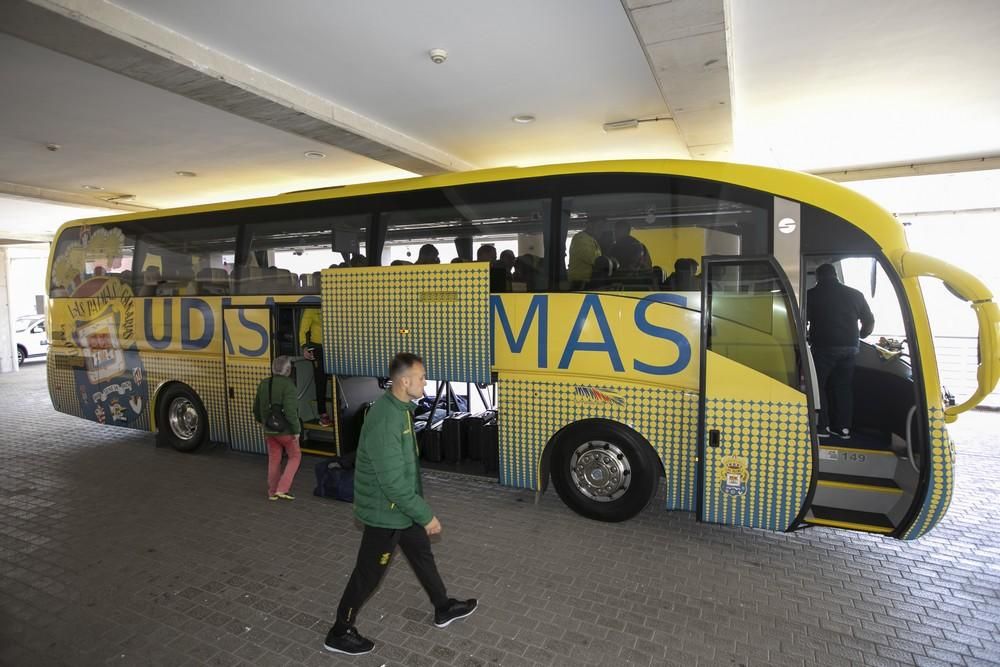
[[834, 311], [388, 500], [279, 390], [311, 341]]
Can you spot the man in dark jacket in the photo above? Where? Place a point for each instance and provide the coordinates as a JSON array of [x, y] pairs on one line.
[[834, 311], [388, 500]]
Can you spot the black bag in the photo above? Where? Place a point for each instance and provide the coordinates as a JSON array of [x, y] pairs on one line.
[[335, 479], [491, 448], [472, 433], [276, 421], [430, 445], [452, 441]]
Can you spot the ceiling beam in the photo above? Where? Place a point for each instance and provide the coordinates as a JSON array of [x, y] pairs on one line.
[[103, 34], [983, 163], [686, 43], [63, 197]]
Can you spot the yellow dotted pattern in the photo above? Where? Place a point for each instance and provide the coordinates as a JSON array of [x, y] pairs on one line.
[[774, 441], [533, 410], [441, 312], [941, 480], [203, 373]]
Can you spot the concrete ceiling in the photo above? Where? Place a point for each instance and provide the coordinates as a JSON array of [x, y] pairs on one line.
[[238, 90], [834, 84]]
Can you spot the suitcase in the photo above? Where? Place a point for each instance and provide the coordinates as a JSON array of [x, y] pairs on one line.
[[491, 448], [473, 433], [452, 437], [430, 443]]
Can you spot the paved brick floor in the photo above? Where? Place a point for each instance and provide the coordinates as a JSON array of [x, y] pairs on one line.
[[115, 552]]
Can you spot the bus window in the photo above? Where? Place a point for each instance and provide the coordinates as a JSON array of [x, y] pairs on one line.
[[183, 259], [287, 256], [90, 251], [652, 241], [515, 231]]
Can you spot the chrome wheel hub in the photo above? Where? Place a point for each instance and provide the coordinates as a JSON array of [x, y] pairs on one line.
[[183, 418], [600, 471]]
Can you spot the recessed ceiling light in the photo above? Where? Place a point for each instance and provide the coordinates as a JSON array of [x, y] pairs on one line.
[[186, 174], [91, 187], [523, 118], [314, 155]]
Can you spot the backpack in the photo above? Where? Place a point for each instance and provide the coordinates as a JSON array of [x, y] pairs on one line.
[[334, 480], [275, 421]]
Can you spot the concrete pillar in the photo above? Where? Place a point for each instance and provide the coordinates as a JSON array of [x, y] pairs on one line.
[[8, 350]]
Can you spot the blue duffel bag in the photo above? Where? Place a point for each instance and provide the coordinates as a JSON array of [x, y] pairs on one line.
[[334, 480]]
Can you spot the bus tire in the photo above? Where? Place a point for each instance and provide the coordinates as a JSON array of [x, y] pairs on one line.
[[181, 418], [604, 470]]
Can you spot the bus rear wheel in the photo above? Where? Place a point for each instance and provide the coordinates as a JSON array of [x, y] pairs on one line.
[[182, 420], [604, 470]]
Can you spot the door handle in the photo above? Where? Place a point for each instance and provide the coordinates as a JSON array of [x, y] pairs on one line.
[[714, 437], [232, 392]]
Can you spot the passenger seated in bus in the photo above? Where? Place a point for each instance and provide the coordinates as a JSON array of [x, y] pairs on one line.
[[400, 262], [499, 276], [486, 253], [627, 245], [583, 251], [684, 277], [528, 274], [507, 259], [428, 254], [150, 279], [359, 260]]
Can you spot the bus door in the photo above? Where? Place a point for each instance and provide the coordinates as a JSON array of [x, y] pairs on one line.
[[247, 359], [756, 452]]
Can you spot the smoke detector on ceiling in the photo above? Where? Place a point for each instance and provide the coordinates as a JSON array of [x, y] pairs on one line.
[[438, 56]]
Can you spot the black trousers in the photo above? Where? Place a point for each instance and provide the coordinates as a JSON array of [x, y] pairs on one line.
[[374, 557], [319, 375], [835, 373]]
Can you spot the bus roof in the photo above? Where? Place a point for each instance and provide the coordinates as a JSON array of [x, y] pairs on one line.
[[825, 194]]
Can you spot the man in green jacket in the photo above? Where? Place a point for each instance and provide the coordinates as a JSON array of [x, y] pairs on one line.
[[388, 500], [279, 390]]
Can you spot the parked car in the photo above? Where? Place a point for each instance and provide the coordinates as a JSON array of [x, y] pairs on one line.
[[32, 340]]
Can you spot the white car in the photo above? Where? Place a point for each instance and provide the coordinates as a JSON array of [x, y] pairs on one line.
[[31, 338]]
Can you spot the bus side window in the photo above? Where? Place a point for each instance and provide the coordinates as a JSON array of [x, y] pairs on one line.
[[646, 241], [510, 235]]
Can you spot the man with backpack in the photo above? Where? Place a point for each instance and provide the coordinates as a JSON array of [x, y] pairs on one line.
[[388, 500], [276, 409]]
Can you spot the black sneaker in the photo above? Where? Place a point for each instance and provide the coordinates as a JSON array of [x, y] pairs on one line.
[[842, 433], [455, 610], [824, 433], [350, 643]]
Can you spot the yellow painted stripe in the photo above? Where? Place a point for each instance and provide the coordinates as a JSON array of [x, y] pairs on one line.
[[850, 526], [873, 452], [317, 427], [859, 487], [318, 452]]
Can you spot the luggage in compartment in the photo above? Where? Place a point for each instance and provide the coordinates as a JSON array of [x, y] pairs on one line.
[[430, 442], [452, 437], [491, 448], [473, 433]]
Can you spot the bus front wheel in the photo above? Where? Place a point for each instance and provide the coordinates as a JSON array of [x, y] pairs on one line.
[[604, 470], [182, 421]]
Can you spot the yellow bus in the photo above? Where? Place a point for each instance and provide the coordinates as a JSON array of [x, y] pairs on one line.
[[637, 325]]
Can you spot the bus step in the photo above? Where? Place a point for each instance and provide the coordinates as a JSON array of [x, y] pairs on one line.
[[851, 462], [859, 482], [867, 440], [856, 493], [852, 519]]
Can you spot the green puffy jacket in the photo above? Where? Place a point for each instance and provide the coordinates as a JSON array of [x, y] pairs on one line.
[[283, 393], [387, 489]]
